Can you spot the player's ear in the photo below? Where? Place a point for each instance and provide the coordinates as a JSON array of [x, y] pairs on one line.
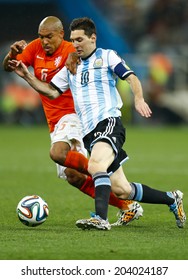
[[62, 33], [93, 37]]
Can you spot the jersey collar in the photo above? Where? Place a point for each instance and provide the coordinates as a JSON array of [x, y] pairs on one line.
[[90, 54]]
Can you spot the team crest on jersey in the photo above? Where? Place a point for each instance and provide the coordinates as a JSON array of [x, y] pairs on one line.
[[57, 61], [98, 62]]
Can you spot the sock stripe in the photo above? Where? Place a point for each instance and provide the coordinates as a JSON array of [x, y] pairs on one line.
[[101, 178], [139, 192], [102, 181], [99, 174]]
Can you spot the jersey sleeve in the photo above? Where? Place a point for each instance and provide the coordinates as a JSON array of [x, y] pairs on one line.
[[119, 66], [60, 81]]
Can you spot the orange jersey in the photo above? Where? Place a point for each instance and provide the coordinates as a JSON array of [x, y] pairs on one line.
[[45, 67]]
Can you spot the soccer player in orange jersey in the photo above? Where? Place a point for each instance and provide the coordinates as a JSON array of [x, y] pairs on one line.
[[47, 55]]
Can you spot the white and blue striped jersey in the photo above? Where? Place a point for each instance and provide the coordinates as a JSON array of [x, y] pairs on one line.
[[94, 87]]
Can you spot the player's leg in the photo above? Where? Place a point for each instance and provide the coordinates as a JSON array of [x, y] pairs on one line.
[[174, 199], [61, 153], [66, 142], [62, 143], [104, 150], [101, 157], [145, 194]]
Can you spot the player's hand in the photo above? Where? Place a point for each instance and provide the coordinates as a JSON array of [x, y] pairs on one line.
[[142, 108], [19, 68], [72, 61], [17, 48]]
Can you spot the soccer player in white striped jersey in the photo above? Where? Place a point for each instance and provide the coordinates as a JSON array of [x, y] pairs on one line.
[[98, 104]]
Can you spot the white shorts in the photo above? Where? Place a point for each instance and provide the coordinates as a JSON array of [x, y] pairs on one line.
[[68, 129]]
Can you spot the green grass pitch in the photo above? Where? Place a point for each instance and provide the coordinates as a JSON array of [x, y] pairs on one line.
[[158, 157]]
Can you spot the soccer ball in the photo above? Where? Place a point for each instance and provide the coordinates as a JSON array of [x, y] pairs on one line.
[[32, 210]]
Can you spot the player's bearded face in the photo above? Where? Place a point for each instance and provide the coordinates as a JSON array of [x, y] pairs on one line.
[[83, 44]]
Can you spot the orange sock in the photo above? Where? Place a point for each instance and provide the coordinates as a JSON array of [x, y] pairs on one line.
[[76, 161], [89, 189]]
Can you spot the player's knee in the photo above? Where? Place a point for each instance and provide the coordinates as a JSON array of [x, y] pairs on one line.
[[58, 153], [96, 166], [58, 157]]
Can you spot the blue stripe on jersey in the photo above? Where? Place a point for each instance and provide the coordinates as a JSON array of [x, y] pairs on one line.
[[98, 82], [104, 85], [112, 88], [84, 97], [85, 94]]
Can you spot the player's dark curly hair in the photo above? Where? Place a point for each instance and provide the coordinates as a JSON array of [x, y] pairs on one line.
[[85, 24]]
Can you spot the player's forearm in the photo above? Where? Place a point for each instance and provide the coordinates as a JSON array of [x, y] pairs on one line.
[[136, 87], [140, 105], [41, 87]]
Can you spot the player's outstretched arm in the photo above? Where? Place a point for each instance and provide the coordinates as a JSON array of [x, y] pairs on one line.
[[44, 88], [141, 106]]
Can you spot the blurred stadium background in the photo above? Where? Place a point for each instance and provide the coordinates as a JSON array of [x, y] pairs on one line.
[[150, 35]]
